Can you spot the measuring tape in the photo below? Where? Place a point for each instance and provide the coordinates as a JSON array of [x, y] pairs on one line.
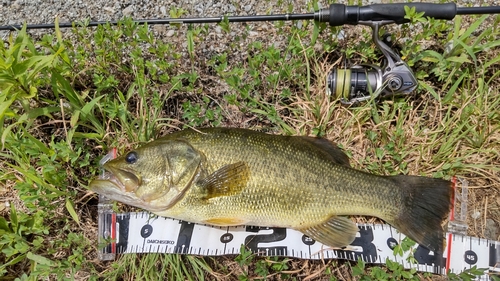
[[143, 232]]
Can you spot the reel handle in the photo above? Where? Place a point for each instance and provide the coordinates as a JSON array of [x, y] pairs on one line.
[[340, 14]]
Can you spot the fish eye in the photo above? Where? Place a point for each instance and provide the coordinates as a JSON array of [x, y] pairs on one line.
[[131, 157]]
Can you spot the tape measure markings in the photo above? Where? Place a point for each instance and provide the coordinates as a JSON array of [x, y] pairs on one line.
[[142, 233], [494, 257]]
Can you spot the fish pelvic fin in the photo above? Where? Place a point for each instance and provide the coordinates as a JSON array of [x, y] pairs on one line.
[[426, 205], [335, 232], [228, 180]]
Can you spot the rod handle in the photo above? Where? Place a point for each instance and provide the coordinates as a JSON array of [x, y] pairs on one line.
[[340, 14]]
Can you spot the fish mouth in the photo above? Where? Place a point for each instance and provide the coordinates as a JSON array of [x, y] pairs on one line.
[[130, 182], [111, 185], [123, 180], [118, 184]]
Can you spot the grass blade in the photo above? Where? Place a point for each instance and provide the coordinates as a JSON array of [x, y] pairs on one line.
[[71, 210]]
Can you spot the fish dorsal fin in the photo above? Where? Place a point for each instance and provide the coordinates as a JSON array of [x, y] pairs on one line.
[[335, 232], [228, 180], [337, 155]]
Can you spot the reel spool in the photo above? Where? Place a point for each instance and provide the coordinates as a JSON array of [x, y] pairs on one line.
[[354, 84]]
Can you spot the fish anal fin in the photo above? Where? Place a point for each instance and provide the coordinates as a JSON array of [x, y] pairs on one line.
[[336, 154], [335, 232], [229, 180], [225, 221]]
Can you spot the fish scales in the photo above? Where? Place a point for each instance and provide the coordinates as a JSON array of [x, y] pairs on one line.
[[234, 176], [314, 190]]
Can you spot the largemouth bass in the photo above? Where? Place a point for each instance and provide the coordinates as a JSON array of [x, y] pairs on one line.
[[227, 176]]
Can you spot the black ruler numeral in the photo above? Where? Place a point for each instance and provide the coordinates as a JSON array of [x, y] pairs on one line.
[[146, 231], [470, 257], [123, 221], [308, 240], [365, 241], [278, 234], [425, 256], [184, 239], [494, 254], [392, 243], [226, 238]]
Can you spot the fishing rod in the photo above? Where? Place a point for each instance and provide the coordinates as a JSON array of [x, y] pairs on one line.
[[358, 82]]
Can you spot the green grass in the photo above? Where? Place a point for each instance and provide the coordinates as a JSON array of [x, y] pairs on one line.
[[67, 98]]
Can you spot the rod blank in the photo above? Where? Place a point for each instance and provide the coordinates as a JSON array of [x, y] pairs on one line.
[[337, 14], [280, 17]]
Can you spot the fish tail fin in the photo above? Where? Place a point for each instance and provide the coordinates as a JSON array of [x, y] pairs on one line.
[[426, 205]]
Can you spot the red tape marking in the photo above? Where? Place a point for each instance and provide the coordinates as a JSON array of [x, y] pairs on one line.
[[113, 233], [452, 217]]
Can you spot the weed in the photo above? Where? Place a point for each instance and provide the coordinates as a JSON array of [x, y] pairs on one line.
[[467, 275], [252, 265], [394, 271], [64, 101]]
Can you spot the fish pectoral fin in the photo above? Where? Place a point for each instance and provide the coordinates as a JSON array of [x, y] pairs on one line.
[[229, 180], [336, 154], [335, 232], [225, 221]]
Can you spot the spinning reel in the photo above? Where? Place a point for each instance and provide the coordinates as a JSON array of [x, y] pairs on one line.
[[356, 83], [365, 81]]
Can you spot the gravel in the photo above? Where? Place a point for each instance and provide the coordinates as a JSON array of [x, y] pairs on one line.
[[45, 11]]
